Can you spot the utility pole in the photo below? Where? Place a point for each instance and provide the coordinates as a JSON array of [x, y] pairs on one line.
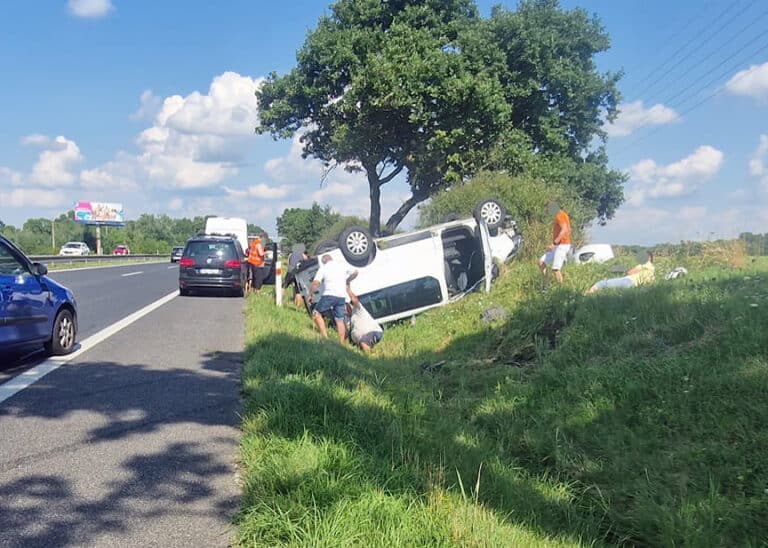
[[53, 234]]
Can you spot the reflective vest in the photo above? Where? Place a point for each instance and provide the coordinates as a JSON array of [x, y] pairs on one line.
[[256, 253]]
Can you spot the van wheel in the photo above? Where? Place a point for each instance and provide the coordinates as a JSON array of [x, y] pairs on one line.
[[325, 246], [356, 245], [492, 212], [63, 335]]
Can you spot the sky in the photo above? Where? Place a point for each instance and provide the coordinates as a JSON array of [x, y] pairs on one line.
[[152, 104]]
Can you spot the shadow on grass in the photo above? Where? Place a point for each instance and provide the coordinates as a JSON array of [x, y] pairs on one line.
[[125, 461], [630, 418]]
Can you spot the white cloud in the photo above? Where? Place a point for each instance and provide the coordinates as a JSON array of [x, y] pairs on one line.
[[32, 197], [633, 116], [9, 176], [758, 163], [90, 8], [149, 106], [54, 165], [334, 190], [752, 82], [35, 139], [260, 191], [113, 176], [175, 204], [229, 108], [676, 179], [195, 141]]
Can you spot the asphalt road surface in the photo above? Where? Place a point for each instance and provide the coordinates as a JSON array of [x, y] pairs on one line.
[[133, 442], [104, 296]]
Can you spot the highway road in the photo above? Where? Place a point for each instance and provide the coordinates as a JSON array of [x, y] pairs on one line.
[[133, 442]]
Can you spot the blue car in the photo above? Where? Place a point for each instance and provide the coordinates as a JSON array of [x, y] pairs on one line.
[[34, 309]]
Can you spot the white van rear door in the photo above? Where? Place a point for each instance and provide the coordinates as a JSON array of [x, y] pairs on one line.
[[485, 238]]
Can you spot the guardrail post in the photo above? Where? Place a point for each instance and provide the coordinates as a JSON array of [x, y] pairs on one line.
[[278, 283]]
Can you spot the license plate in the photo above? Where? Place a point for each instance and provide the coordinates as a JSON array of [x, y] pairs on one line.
[[210, 271]]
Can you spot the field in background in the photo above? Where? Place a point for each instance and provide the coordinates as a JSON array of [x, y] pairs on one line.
[[635, 417]]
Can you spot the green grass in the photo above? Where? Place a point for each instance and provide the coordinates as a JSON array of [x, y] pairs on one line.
[[634, 418]]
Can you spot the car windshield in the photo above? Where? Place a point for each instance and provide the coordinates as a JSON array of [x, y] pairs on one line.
[[222, 250], [72, 245]]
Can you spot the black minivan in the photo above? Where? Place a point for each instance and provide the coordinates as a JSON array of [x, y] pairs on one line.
[[212, 262]]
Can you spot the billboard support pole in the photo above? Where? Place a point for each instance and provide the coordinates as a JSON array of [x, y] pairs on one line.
[[98, 239]]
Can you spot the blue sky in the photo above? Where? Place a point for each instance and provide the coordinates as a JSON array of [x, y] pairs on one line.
[[151, 104]]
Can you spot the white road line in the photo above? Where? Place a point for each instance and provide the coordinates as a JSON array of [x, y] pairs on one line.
[[31, 376], [173, 266], [131, 274]]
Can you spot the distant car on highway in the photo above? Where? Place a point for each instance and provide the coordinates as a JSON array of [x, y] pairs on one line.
[[121, 250], [176, 253], [212, 262], [74, 248], [35, 310]]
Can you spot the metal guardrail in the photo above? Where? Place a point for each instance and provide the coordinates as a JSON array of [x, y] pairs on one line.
[[94, 259]]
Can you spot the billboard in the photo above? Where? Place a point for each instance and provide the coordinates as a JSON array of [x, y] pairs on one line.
[[99, 213]]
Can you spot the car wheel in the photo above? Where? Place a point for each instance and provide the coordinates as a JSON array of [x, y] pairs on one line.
[[357, 245], [325, 246], [63, 335], [492, 212]]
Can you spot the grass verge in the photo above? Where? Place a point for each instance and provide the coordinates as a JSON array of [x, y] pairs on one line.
[[624, 418]]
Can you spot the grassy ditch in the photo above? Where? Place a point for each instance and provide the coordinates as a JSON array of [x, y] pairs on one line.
[[632, 418]]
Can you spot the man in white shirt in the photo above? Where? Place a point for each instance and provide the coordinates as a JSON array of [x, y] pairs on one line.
[[334, 276], [364, 331]]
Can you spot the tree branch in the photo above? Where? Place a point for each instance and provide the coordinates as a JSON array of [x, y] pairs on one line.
[[392, 174], [398, 216]]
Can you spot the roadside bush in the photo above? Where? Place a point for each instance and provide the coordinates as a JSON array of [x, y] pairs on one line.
[[524, 197]]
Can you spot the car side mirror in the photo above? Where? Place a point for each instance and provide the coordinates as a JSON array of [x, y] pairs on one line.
[[40, 269]]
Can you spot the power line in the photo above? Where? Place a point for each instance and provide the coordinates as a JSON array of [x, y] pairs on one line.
[[668, 42], [699, 103], [706, 38], [669, 101]]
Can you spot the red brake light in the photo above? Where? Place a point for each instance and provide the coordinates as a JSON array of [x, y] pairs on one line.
[[186, 262], [232, 263]]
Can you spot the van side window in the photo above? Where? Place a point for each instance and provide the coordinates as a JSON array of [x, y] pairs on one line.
[[402, 297]]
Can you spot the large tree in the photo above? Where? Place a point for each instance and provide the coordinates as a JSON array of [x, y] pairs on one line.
[[428, 88]]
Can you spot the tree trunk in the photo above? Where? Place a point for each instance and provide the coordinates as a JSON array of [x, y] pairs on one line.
[[398, 216], [374, 184]]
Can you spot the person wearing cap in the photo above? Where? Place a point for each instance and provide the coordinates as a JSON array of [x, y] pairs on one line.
[[557, 251]]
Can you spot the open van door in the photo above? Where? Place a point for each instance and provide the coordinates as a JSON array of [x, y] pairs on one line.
[[485, 238]]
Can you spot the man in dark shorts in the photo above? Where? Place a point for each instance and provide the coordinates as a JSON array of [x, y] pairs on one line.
[[256, 256], [334, 275]]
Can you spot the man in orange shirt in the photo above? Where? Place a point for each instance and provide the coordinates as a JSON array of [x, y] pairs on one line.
[[256, 255], [557, 251]]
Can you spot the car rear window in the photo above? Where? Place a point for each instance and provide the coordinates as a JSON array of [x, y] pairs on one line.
[[402, 297], [223, 250]]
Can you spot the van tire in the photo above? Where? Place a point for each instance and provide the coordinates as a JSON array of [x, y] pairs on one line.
[[492, 212], [357, 245]]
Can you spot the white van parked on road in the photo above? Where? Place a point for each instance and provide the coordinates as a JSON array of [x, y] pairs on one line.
[[229, 225]]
